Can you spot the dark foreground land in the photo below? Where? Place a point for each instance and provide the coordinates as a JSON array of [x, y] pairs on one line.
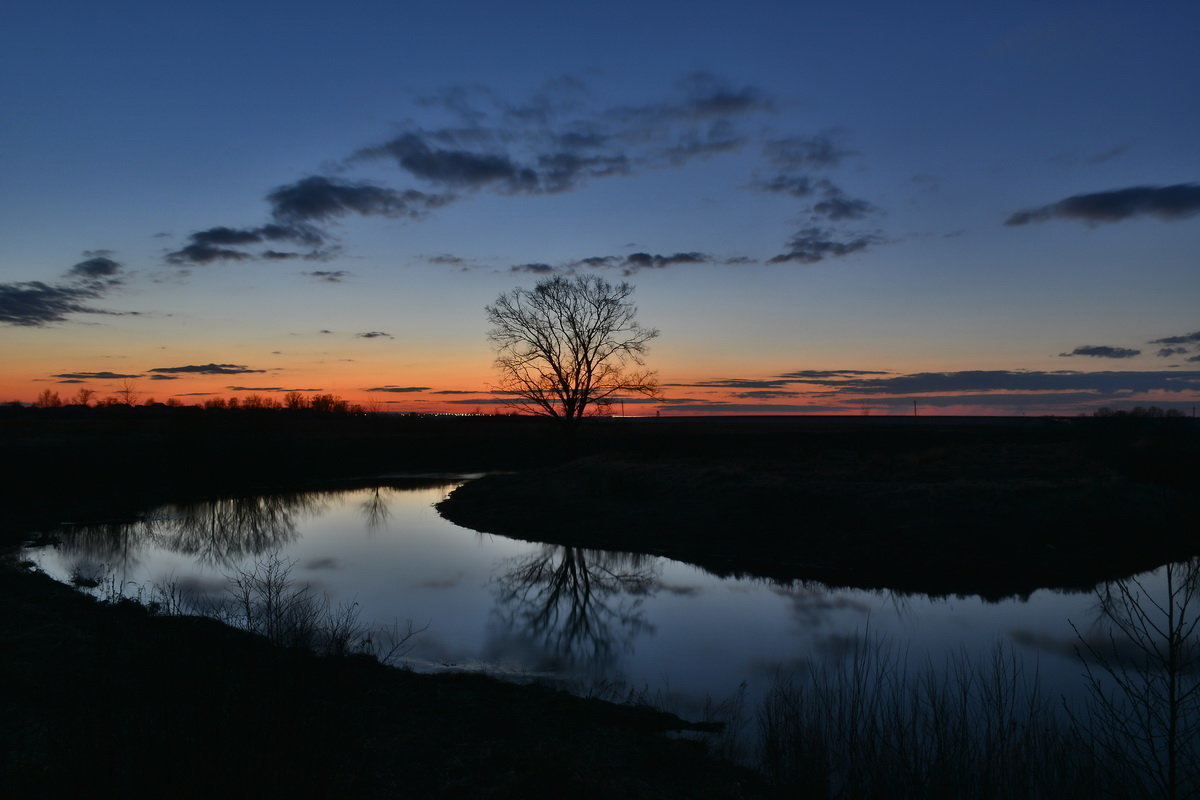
[[114, 697], [117, 701], [992, 507]]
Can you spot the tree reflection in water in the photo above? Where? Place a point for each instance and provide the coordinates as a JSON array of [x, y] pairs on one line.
[[219, 532], [579, 606], [375, 509]]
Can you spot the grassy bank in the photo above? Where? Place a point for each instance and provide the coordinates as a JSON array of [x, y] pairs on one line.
[[981, 508]]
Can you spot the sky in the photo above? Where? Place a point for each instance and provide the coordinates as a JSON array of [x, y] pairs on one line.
[[986, 208]]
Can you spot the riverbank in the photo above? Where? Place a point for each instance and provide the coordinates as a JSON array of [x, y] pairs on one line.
[[114, 699], [967, 511]]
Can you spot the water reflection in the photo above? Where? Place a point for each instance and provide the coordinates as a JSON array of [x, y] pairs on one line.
[[224, 531], [579, 608], [375, 509], [214, 532]]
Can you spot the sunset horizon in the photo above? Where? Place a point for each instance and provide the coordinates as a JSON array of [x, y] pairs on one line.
[[985, 212]]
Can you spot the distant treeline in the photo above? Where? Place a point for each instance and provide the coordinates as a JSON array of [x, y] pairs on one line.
[[296, 401], [1138, 411]]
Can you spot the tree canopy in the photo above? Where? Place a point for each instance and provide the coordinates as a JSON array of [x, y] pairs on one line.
[[570, 346]]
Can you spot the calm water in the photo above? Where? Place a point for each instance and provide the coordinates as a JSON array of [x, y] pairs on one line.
[[524, 609]]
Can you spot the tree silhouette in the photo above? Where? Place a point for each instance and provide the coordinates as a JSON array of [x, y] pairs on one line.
[[569, 346]]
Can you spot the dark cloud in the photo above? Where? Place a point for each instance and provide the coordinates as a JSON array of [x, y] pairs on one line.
[[820, 374], [374, 335], [35, 304], [739, 383], [550, 171], [806, 152], [1102, 351], [553, 143], [399, 389], [71, 380], [794, 185], [96, 376], [296, 207], [1166, 352], [205, 254], [330, 276], [96, 267], [457, 168], [1187, 338], [268, 389], [535, 268], [562, 171], [636, 261], [317, 198], [597, 261], [627, 264], [952, 386], [446, 258], [703, 96], [208, 369], [716, 138], [460, 391], [1166, 202], [216, 244], [222, 236], [1016, 400], [1020, 380], [767, 394], [164, 377], [814, 244], [837, 206]]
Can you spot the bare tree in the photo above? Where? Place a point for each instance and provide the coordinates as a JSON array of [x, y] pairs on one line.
[[570, 345], [127, 393], [1146, 682]]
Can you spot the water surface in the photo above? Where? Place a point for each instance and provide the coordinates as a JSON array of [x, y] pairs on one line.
[[586, 618]]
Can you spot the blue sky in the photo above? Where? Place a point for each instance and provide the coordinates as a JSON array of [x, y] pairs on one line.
[[810, 187]]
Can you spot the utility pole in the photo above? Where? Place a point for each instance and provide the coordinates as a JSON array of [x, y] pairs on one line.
[[914, 408]]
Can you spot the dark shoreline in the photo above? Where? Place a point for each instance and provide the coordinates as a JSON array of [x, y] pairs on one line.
[[961, 511]]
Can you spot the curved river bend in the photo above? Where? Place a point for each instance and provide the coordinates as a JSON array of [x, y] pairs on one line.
[[591, 620]]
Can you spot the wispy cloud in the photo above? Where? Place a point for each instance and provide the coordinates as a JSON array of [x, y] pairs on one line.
[[1175, 202], [96, 375], [37, 304], [270, 389], [207, 369], [1102, 351], [329, 276], [814, 244], [398, 389]]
